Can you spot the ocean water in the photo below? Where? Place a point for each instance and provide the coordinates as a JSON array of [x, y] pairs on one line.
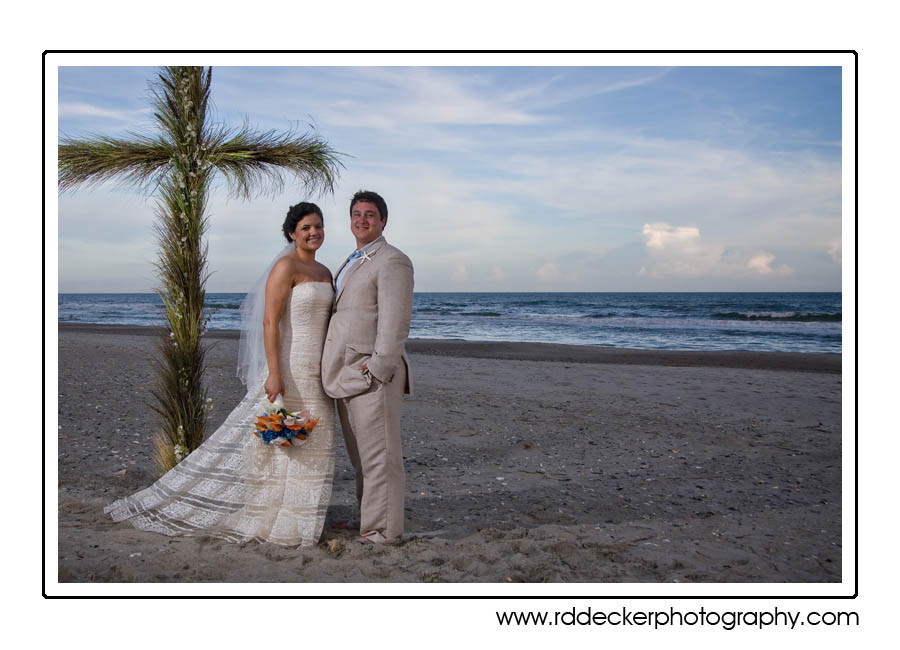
[[795, 322]]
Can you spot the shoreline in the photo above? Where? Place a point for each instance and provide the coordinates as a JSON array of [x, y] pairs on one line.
[[558, 352]]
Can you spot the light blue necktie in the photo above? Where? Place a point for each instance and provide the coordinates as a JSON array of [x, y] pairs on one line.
[[355, 255]]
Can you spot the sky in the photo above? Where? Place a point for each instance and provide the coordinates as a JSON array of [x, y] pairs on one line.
[[590, 178]]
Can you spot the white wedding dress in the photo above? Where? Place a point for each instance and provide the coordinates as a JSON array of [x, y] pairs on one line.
[[236, 488]]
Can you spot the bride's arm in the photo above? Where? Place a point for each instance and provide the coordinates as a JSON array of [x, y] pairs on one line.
[[278, 288]]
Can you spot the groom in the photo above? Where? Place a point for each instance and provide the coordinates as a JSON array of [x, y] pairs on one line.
[[365, 368]]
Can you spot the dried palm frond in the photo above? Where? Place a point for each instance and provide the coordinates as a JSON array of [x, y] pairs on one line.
[[249, 159], [142, 161], [163, 452]]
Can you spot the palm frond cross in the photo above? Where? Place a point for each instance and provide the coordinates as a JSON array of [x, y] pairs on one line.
[[178, 164]]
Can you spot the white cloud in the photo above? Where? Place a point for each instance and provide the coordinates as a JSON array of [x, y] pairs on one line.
[[435, 212], [426, 96], [634, 83], [550, 273], [835, 250], [659, 236], [549, 93], [80, 109], [679, 251], [630, 180], [762, 263]]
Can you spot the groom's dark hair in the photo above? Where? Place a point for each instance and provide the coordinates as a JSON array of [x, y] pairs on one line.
[[295, 214], [370, 197]]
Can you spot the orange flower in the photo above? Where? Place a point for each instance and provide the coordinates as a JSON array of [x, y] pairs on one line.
[[272, 422]]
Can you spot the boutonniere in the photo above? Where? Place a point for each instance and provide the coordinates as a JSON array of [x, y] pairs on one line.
[[365, 256]]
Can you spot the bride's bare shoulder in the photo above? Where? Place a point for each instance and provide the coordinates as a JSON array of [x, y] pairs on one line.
[[283, 271], [286, 264], [323, 273], [314, 272]]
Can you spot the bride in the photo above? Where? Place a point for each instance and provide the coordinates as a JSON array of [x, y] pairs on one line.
[[233, 486]]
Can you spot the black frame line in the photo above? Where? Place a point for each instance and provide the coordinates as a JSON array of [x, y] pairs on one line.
[[470, 597]]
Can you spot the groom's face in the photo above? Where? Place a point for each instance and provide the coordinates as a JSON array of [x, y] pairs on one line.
[[365, 223]]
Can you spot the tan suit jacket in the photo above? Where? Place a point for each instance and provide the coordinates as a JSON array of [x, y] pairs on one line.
[[369, 323]]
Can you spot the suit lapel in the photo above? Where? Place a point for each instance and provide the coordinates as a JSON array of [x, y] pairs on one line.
[[370, 253], [340, 268]]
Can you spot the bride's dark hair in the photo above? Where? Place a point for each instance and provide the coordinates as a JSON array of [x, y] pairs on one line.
[[295, 214]]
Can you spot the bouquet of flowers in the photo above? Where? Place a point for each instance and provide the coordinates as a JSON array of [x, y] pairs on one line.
[[275, 426]]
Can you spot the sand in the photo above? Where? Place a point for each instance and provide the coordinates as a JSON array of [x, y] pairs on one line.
[[525, 463]]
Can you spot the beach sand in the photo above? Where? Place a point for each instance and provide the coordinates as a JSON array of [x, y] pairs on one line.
[[525, 463]]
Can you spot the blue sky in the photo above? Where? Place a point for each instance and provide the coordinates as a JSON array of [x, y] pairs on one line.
[[508, 178]]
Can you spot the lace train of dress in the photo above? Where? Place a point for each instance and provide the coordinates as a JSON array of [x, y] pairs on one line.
[[234, 487]]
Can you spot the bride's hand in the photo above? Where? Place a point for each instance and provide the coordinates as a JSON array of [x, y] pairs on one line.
[[273, 387]]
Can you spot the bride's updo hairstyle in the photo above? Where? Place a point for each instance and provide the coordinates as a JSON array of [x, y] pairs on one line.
[[295, 214]]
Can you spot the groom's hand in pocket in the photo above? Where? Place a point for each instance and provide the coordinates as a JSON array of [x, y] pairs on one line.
[[368, 373]]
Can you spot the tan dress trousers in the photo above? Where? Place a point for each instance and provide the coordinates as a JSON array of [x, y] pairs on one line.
[[371, 425]]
